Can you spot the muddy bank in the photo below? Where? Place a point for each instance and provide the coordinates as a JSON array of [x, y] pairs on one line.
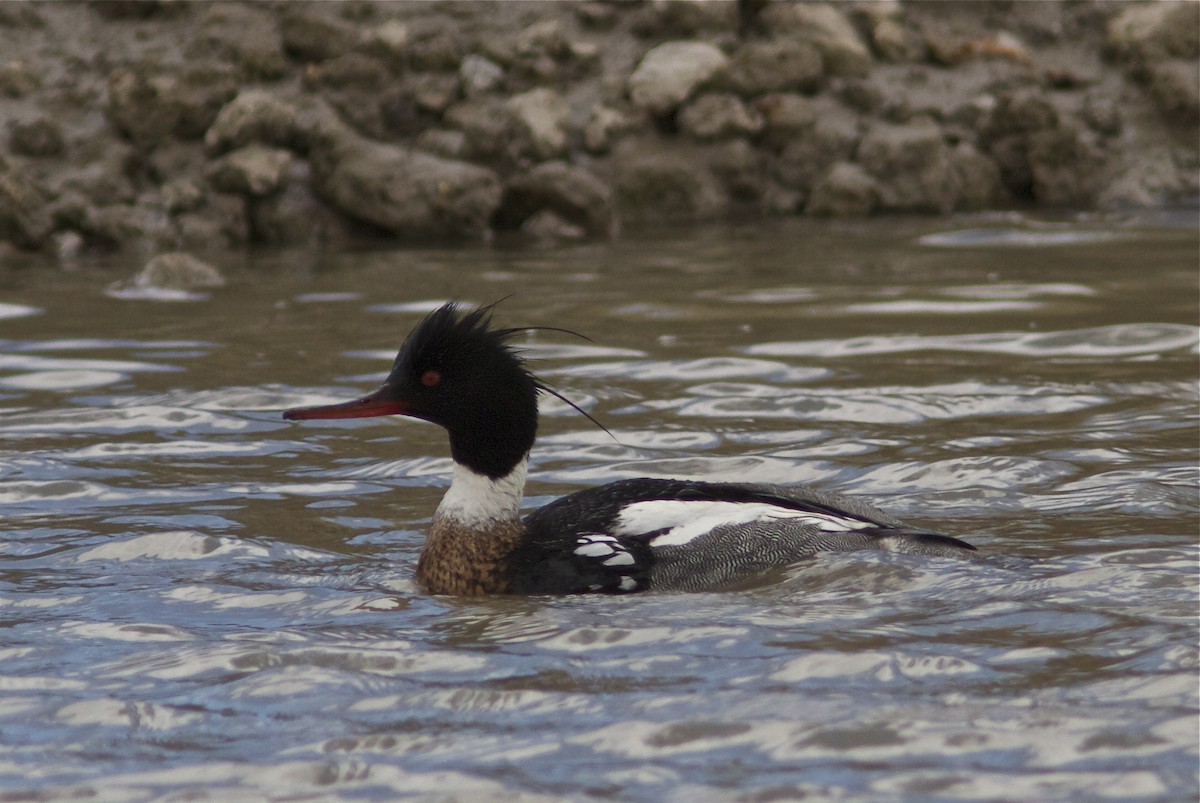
[[157, 126]]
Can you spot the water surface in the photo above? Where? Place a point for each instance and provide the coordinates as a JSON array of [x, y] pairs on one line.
[[202, 601]]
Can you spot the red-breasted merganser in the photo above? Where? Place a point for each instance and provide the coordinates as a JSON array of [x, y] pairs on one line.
[[458, 371]]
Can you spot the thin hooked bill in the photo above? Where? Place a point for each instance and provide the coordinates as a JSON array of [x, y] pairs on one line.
[[369, 406]]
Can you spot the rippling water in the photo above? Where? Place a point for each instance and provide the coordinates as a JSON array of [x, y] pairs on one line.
[[201, 601]]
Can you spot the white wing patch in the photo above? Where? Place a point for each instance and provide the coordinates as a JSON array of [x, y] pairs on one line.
[[610, 552], [591, 548], [605, 548], [684, 520]]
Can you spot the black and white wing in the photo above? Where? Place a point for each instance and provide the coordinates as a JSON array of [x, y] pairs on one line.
[[582, 563], [686, 535]]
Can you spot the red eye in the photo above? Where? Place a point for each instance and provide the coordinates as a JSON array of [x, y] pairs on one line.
[[431, 379]]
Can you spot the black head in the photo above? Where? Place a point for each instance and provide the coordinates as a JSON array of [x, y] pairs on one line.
[[456, 371]]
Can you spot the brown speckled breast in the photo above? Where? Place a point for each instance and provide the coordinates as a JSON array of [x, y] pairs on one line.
[[465, 562]]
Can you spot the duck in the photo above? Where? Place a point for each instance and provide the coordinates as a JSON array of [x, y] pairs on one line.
[[460, 371]]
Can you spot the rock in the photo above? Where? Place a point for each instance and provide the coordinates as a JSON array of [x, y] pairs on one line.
[[979, 181], [255, 170], [671, 72], [846, 190], [912, 166], [786, 116], [348, 71], [718, 115], [896, 42], [391, 34], [1064, 167], [174, 159], [888, 149], [479, 75], [1042, 155], [18, 79], [804, 157], [25, 214], [1151, 31], [354, 85], [38, 137], [598, 15], [436, 44], [139, 108], [547, 226], [131, 9], [683, 18], [1162, 42], [748, 23], [310, 36], [541, 48], [182, 124], [740, 169], [389, 39], [661, 181], [1011, 155], [66, 246], [198, 96], [1148, 178], [1175, 86], [105, 180], [443, 142], [824, 27], [969, 121], [244, 36], [1102, 112], [1021, 112], [181, 195], [294, 215], [223, 220], [777, 201], [773, 66], [118, 225], [67, 209], [434, 92], [487, 126], [571, 193], [865, 96], [178, 271], [604, 127], [401, 116], [148, 105], [1015, 118], [20, 15], [406, 192], [255, 115], [544, 116]]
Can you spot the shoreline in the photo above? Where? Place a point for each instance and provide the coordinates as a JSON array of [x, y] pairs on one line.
[[144, 127]]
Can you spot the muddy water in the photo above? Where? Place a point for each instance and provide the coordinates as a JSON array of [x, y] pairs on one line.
[[201, 599]]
